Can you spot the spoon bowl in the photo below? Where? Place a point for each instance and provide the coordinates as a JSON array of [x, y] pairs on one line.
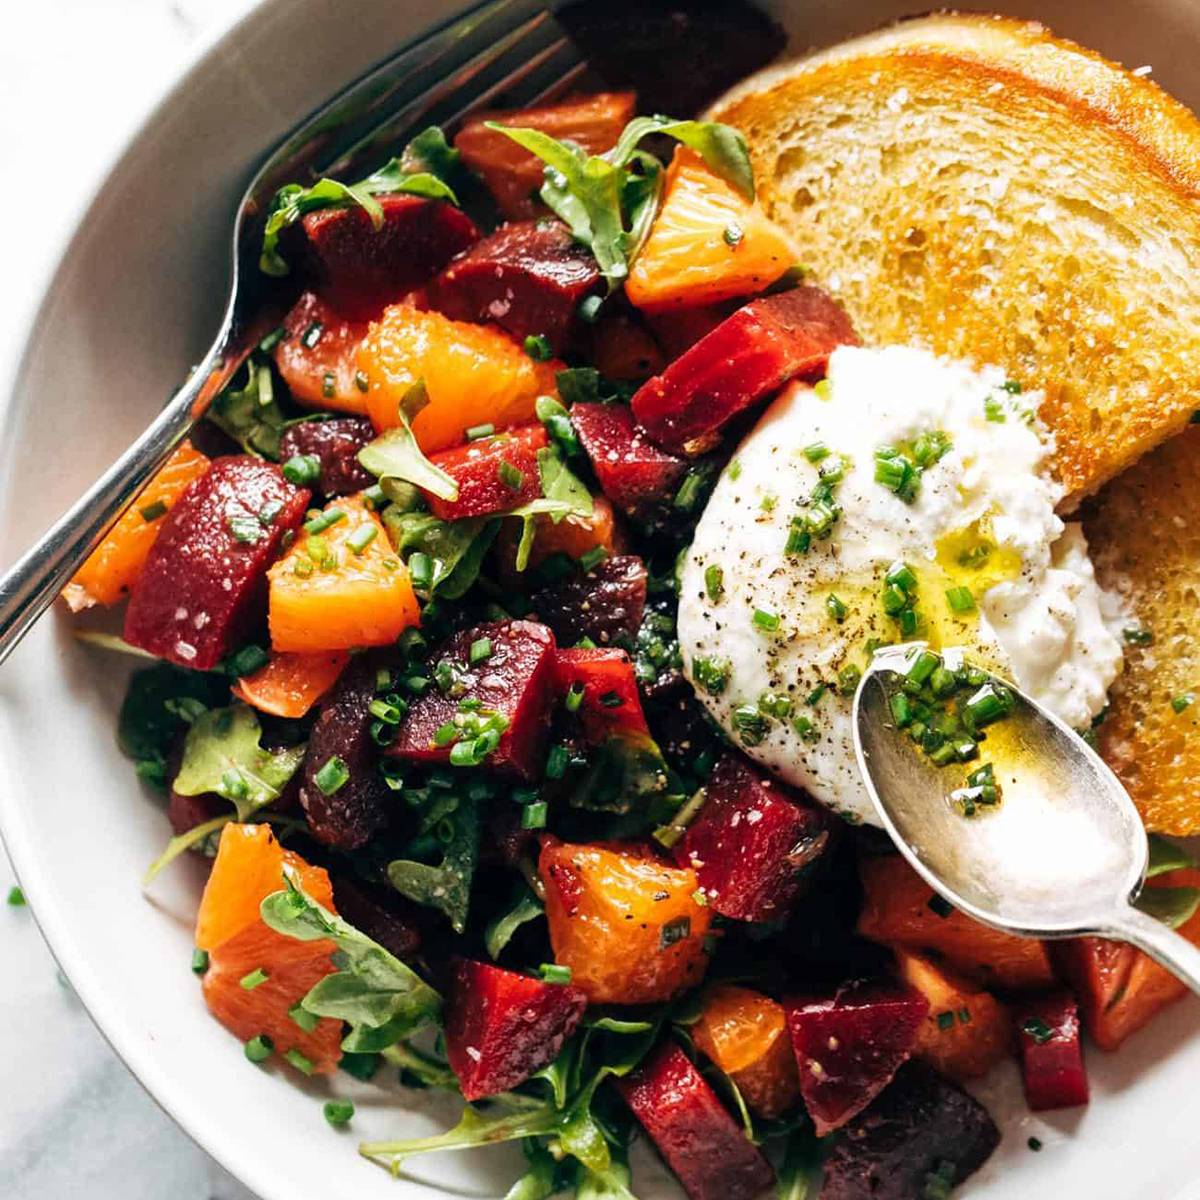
[[1063, 854]]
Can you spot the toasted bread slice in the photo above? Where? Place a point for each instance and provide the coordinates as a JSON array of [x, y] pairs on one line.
[[981, 187], [1144, 533]]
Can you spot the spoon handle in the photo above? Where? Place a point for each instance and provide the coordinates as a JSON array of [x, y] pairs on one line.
[[1164, 945]]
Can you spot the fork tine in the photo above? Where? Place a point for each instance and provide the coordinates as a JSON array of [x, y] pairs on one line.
[[559, 87]]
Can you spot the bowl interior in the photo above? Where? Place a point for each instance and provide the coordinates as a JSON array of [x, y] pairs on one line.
[[131, 306]]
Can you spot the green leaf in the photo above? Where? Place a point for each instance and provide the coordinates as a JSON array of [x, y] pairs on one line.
[[222, 754], [722, 147], [611, 1183], [563, 495], [250, 414], [1173, 906], [110, 641], [1166, 856], [181, 844], [429, 153], [419, 1069], [523, 907], [457, 548], [799, 1173], [381, 998], [446, 886], [396, 455], [623, 775], [543, 1179]]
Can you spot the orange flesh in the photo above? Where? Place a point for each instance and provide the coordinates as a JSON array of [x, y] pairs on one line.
[[573, 536], [113, 567], [708, 243], [607, 908], [365, 599], [290, 684], [474, 375]]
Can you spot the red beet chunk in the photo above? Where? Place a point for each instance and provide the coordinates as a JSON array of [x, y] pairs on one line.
[[186, 812], [610, 703], [752, 842], [348, 817], [849, 1045], [1052, 1052], [501, 1027], [693, 1132], [336, 444], [381, 913], [480, 470], [361, 269], [632, 472], [922, 1131], [528, 277], [516, 681], [606, 604], [204, 586], [754, 352]]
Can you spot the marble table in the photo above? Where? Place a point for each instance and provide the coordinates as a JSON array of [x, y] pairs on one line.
[[75, 76]]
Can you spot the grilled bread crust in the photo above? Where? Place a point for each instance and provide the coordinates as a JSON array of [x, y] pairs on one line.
[[979, 186]]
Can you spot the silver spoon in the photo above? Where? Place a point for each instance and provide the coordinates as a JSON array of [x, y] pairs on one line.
[[1064, 853]]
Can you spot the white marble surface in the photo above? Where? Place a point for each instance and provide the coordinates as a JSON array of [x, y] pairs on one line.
[[75, 76]]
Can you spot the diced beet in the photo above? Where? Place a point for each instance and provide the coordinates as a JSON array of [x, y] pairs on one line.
[[1051, 1052], [317, 356], [622, 348], [379, 912], [528, 277], [692, 1130], [501, 1027], [757, 350], [361, 269], [507, 841], [479, 469], [336, 443], [679, 329], [605, 604], [186, 812], [348, 817], [203, 588], [632, 472], [849, 1045], [922, 1133], [516, 681], [610, 703], [752, 843]]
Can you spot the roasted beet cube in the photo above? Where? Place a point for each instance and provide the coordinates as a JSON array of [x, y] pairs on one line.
[[632, 472], [1048, 1035], [381, 913], [335, 443], [606, 688], [317, 356], [361, 269], [605, 604], [186, 812], [693, 1132], [501, 1027], [754, 352], [347, 816], [494, 475], [752, 843], [508, 667], [849, 1045], [923, 1133], [204, 585], [528, 277]]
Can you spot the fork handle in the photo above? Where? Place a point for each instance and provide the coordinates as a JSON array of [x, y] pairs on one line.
[[29, 587], [1163, 944]]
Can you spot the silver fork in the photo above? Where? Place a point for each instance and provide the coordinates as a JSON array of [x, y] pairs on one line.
[[504, 52]]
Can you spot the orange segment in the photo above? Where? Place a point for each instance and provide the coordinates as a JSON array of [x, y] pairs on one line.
[[968, 1031], [626, 924], [318, 357], [290, 684], [113, 567], [248, 868], [745, 1034], [474, 375], [573, 536], [708, 242], [333, 592]]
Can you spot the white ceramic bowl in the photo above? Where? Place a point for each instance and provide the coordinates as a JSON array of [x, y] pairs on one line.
[[132, 304]]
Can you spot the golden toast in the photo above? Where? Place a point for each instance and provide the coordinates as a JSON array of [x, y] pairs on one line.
[[978, 186]]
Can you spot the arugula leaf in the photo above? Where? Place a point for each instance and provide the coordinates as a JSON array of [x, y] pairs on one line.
[[799, 1173], [222, 754], [381, 998], [395, 454], [446, 886], [544, 1178], [608, 205], [585, 385], [563, 495], [250, 414], [292, 201], [612, 1183], [623, 775], [110, 641], [1173, 906], [429, 153], [457, 548], [421, 1070], [181, 844], [523, 907], [1166, 856]]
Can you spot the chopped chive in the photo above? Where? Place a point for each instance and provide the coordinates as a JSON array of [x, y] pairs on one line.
[[246, 661], [816, 452], [733, 234], [714, 582], [361, 381], [533, 816], [272, 339], [836, 607], [1135, 636], [259, 1049], [960, 599], [420, 570], [375, 497], [1012, 387], [848, 678], [589, 560], [945, 1020], [333, 775], [312, 335], [152, 512], [735, 470], [360, 1066], [574, 697], [940, 906], [302, 1018], [538, 347], [557, 761], [1034, 1143], [612, 700], [16, 898], [902, 576], [510, 476], [993, 410], [1037, 1029], [362, 537], [388, 713], [445, 734], [555, 973], [806, 728], [689, 491], [712, 674], [589, 309], [674, 931], [481, 651], [814, 697], [765, 620], [300, 1061], [988, 704], [328, 382], [199, 961], [254, 979], [480, 431], [1182, 701], [338, 1112], [325, 520]]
